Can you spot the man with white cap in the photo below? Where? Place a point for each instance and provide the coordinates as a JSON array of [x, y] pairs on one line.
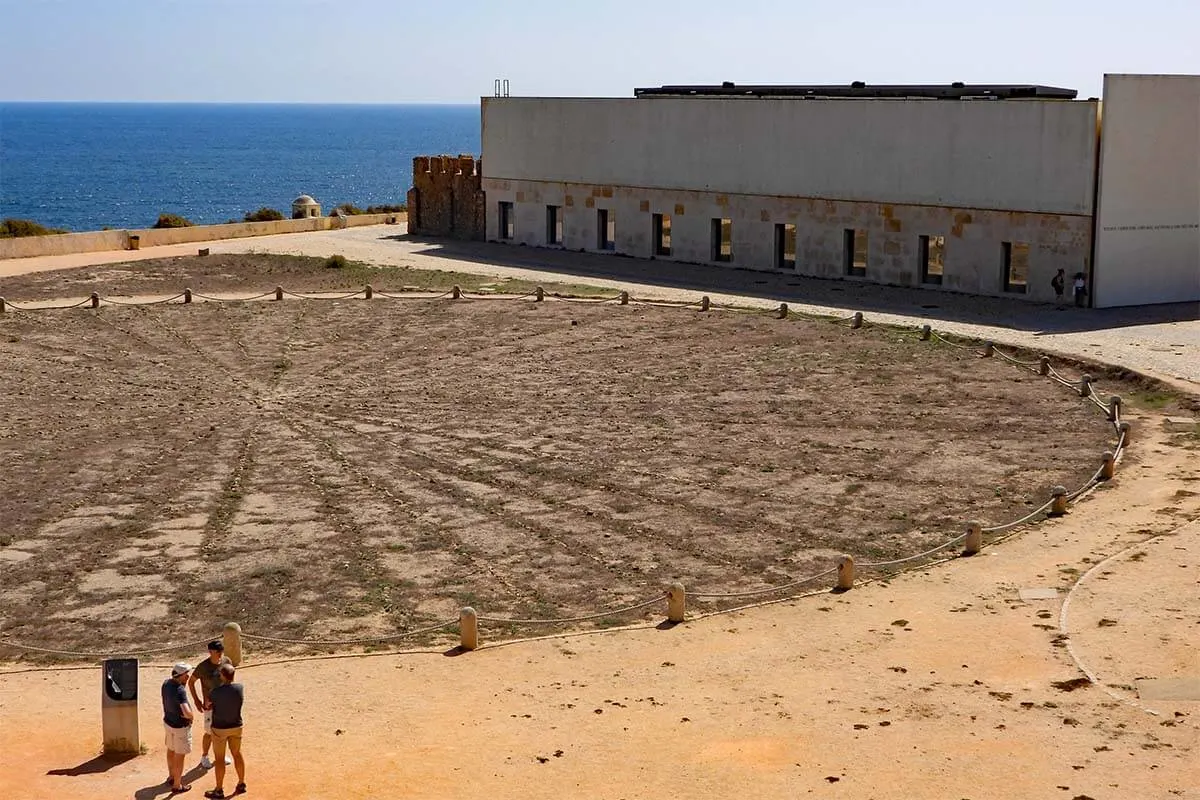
[[177, 720]]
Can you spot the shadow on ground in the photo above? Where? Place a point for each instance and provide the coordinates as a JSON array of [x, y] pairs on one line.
[[933, 304]]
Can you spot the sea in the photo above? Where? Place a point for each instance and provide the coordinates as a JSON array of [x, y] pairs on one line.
[[87, 166]]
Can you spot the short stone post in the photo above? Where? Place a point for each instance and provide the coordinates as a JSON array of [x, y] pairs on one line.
[[926, 333], [369, 291], [468, 626], [187, 295], [1114, 408], [989, 349], [845, 573], [539, 294], [456, 292], [1044, 365], [1058, 505], [783, 311], [1125, 430], [95, 300], [676, 602], [203, 251], [974, 541], [624, 298], [857, 322], [705, 303], [1085, 385], [2, 306], [278, 292], [231, 637], [1109, 468]]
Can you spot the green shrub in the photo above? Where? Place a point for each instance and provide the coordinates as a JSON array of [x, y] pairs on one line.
[[335, 262], [16, 228], [349, 209], [172, 221], [264, 214], [396, 209]]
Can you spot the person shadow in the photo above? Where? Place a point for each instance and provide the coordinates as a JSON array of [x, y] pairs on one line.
[[163, 788]]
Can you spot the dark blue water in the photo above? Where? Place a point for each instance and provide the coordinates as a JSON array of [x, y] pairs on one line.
[[84, 166]]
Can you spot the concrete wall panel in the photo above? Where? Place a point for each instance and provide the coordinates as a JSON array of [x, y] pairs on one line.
[[1024, 155], [1148, 223]]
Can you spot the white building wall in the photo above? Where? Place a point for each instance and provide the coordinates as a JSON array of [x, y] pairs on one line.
[[1017, 155], [1148, 221]]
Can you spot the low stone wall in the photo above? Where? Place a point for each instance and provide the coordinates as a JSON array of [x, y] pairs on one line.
[[98, 241]]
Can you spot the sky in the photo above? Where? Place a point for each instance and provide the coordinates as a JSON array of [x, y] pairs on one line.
[[397, 51]]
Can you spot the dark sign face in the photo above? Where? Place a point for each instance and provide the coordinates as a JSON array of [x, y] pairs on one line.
[[121, 678]]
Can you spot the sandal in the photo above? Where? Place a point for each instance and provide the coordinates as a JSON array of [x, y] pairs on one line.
[[240, 789], [215, 794], [181, 789]]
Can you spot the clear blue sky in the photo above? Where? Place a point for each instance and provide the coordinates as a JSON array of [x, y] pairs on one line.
[[395, 51]]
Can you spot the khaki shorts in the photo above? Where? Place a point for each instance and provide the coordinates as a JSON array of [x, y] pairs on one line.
[[221, 736], [179, 740]]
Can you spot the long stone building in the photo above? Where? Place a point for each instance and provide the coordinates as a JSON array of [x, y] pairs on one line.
[[986, 190]]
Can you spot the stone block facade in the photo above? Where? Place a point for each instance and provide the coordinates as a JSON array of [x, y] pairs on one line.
[[447, 197]]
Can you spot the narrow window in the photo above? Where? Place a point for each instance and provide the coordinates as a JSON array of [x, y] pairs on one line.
[[554, 225], [662, 234], [1016, 266], [933, 258], [854, 251], [785, 245], [507, 224], [606, 229], [722, 239]]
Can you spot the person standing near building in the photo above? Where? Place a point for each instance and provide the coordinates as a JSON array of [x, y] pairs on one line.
[[1080, 289], [207, 675], [1059, 282], [177, 720], [227, 701]]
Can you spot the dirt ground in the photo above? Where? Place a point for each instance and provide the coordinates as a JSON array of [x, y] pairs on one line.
[[324, 470], [345, 482]]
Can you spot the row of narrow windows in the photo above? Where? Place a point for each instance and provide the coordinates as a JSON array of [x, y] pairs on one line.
[[931, 252]]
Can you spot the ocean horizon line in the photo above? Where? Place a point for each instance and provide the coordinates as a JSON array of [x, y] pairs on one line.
[[241, 103]]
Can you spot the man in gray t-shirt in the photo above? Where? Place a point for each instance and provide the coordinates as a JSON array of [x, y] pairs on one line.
[[226, 701]]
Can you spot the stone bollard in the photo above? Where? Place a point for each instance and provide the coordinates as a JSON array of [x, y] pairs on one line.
[[1114, 408], [1109, 468], [926, 333], [1085, 385], [1126, 432], [989, 349], [974, 542], [676, 602], [857, 322], [187, 295], [2, 305], [369, 291], [783, 311], [539, 295], [95, 300], [845, 574], [624, 298], [705, 303], [456, 292], [231, 637], [468, 626], [278, 292], [1044, 365], [1058, 506]]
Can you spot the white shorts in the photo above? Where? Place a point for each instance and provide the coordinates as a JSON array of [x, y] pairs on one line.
[[179, 740], [208, 722]]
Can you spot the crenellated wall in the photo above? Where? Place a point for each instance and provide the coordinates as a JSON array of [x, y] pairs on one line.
[[447, 197]]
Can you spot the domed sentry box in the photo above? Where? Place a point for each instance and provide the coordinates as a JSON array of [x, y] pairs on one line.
[[119, 706], [304, 206]]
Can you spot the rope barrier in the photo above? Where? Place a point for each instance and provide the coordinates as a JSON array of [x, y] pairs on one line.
[[1043, 508], [232, 299], [584, 618], [16, 307], [360, 640], [94, 654], [318, 296], [757, 592], [143, 303], [918, 556]]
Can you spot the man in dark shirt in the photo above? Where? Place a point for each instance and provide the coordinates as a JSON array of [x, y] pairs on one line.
[[177, 721], [226, 701], [206, 674]]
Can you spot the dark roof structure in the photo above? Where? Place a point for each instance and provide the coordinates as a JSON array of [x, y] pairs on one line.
[[858, 89]]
